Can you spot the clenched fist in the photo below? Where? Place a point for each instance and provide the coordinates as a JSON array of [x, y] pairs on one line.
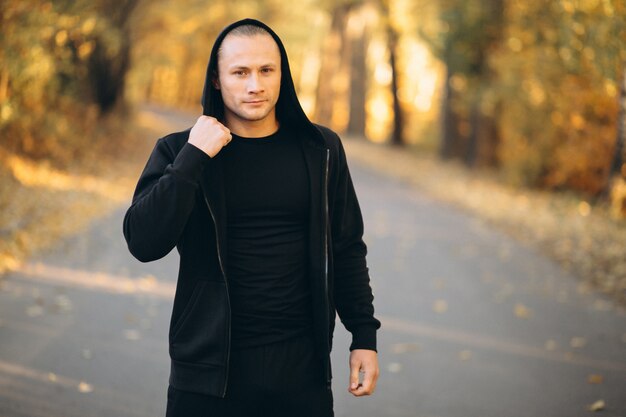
[[209, 135]]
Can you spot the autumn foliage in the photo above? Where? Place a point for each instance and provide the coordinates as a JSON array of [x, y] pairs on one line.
[[531, 89], [62, 67]]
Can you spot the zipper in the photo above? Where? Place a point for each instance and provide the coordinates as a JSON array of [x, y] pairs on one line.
[[326, 220], [219, 258]]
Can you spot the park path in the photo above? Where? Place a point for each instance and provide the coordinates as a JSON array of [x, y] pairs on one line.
[[474, 323]]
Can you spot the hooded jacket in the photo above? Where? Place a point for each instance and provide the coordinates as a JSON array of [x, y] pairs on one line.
[[179, 202]]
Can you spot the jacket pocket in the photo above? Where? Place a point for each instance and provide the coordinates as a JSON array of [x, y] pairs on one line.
[[201, 333]]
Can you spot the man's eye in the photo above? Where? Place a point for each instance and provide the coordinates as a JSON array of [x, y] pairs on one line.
[[240, 73], [267, 70]]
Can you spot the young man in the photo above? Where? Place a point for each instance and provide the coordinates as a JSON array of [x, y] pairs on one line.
[[269, 233]]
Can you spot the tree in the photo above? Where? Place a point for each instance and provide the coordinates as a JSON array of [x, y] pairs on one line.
[[331, 63], [468, 32], [392, 39]]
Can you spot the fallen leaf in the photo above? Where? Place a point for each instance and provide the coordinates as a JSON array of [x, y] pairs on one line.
[[521, 311], [84, 387], [394, 367], [87, 354], [487, 278], [63, 303], [584, 209], [132, 334], [131, 318], [405, 347], [602, 305], [595, 379], [440, 306], [469, 251], [551, 345], [503, 293], [465, 355], [34, 311], [439, 284], [578, 342], [597, 406]]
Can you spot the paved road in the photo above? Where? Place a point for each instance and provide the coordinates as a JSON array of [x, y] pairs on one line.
[[474, 324]]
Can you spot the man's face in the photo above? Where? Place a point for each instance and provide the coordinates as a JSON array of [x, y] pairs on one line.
[[249, 78]]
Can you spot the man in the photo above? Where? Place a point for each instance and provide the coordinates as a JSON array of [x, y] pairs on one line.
[[269, 233]]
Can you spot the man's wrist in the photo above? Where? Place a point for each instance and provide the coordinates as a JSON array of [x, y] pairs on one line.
[[364, 338], [189, 162]]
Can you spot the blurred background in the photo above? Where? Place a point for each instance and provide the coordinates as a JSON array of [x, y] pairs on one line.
[[513, 111], [530, 92]]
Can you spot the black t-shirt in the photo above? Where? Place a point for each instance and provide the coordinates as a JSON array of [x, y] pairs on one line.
[[267, 201]]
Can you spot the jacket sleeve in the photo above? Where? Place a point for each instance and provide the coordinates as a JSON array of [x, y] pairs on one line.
[[352, 291], [163, 199]]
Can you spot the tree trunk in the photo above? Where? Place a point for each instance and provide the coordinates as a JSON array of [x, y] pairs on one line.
[[483, 139], [358, 82], [330, 66], [483, 136], [471, 155], [398, 119], [4, 84], [450, 135], [617, 163], [107, 74]]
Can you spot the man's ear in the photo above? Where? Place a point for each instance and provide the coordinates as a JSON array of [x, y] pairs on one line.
[[215, 81]]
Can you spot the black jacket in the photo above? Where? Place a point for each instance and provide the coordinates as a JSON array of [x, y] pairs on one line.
[[179, 202]]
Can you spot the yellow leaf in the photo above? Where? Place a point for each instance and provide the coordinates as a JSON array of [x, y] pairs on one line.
[[584, 209], [394, 367], [88, 25], [595, 379], [440, 306], [132, 334], [465, 355], [61, 37], [578, 342], [85, 387], [405, 347], [521, 311], [551, 345], [597, 406]]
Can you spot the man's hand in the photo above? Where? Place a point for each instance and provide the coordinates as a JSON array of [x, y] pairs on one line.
[[209, 135], [365, 361]]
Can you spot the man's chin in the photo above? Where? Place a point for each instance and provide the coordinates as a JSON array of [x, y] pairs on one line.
[[254, 116]]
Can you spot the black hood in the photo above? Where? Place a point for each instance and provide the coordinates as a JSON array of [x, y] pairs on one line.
[[288, 109]]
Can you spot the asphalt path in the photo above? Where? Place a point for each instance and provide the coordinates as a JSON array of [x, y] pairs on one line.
[[474, 323]]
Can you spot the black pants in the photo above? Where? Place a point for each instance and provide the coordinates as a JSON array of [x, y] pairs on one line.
[[283, 379]]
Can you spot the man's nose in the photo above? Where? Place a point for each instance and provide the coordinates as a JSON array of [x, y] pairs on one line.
[[254, 83]]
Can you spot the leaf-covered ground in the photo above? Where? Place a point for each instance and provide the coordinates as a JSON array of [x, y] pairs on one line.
[[41, 202], [582, 238]]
